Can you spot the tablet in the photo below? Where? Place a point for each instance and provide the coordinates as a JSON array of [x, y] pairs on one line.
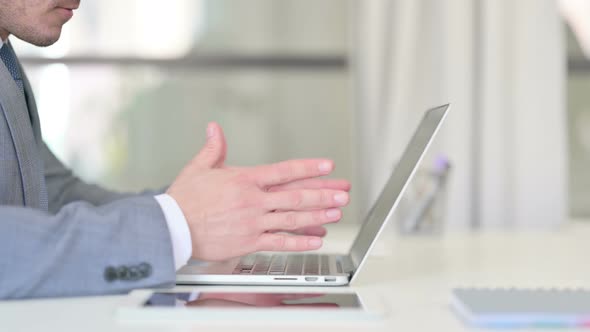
[[215, 305]]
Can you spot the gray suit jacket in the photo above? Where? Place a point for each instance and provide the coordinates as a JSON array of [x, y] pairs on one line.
[[72, 238]]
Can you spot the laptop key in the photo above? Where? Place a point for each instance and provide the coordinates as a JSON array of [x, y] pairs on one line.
[[311, 265], [246, 263], [294, 266], [325, 265], [248, 260], [339, 267]]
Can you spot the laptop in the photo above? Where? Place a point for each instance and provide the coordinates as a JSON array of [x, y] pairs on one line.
[[317, 269]]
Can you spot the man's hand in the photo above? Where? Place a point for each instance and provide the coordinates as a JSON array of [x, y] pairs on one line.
[[235, 211]]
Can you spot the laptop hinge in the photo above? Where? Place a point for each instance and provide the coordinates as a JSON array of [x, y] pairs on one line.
[[347, 265]]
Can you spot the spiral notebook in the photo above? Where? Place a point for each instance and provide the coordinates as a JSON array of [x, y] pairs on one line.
[[508, 308]]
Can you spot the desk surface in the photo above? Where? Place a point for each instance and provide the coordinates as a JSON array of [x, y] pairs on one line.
[[413, 274]]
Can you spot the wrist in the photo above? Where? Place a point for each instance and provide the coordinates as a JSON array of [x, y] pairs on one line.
[[180, 235]]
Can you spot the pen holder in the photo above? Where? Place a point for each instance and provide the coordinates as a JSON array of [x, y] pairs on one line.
[[422, 208]]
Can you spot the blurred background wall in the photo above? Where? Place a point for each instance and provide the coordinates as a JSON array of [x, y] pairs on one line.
[[125, 95]]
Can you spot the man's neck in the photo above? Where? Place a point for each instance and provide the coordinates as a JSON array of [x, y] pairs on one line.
[[4, 34]]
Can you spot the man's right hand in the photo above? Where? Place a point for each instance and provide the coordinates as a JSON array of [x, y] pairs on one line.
[[234, 211]]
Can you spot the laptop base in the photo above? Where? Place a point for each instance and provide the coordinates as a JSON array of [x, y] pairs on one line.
[[224, 273]]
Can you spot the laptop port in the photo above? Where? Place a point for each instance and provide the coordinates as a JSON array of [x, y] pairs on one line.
[[311, 278], [330, 279]]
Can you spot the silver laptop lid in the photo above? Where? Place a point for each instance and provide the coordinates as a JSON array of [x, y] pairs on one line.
[[383, 208]]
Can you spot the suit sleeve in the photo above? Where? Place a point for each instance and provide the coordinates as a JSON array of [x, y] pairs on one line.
[[84, 249], [64, 187]]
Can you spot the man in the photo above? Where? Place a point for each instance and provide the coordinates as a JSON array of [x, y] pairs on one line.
[[60, 236]]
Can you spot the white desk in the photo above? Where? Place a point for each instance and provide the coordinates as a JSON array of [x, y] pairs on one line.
[[414, 278]]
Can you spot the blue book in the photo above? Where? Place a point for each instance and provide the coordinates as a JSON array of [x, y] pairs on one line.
[[521, 308]]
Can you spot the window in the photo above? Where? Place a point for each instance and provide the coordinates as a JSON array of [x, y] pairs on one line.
[[125, 95]]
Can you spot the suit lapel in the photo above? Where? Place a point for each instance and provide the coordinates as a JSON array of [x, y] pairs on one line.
[[17, 116], [36, 125], [32, 107]]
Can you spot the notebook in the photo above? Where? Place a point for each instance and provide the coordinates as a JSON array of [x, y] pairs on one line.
[[509, 308]]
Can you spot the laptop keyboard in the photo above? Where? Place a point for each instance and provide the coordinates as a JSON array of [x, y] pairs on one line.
[[284, 265]]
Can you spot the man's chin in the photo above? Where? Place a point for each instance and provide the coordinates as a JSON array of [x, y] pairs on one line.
[[41, 40], [46, 42]]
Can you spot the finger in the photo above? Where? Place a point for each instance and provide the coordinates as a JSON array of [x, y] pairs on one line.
[[284, 242], [215, 149], [313, 231], [223, 154], [335, 184], [305, 199], [291, 221], [291, 170]]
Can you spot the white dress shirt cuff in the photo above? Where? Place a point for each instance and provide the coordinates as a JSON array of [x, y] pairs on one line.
[[182, 245]]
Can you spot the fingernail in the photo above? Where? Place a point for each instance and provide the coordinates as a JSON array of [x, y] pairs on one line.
[[333, 213], [315, 242], [210, 131], [325, 167], [341, 198]]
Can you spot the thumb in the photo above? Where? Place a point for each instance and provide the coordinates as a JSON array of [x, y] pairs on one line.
[[212, 155]]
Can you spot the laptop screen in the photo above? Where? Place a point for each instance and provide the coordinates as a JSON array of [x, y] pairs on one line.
[[395, 186]]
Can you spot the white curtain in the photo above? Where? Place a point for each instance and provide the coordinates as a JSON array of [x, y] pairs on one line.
[[501, 64]]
